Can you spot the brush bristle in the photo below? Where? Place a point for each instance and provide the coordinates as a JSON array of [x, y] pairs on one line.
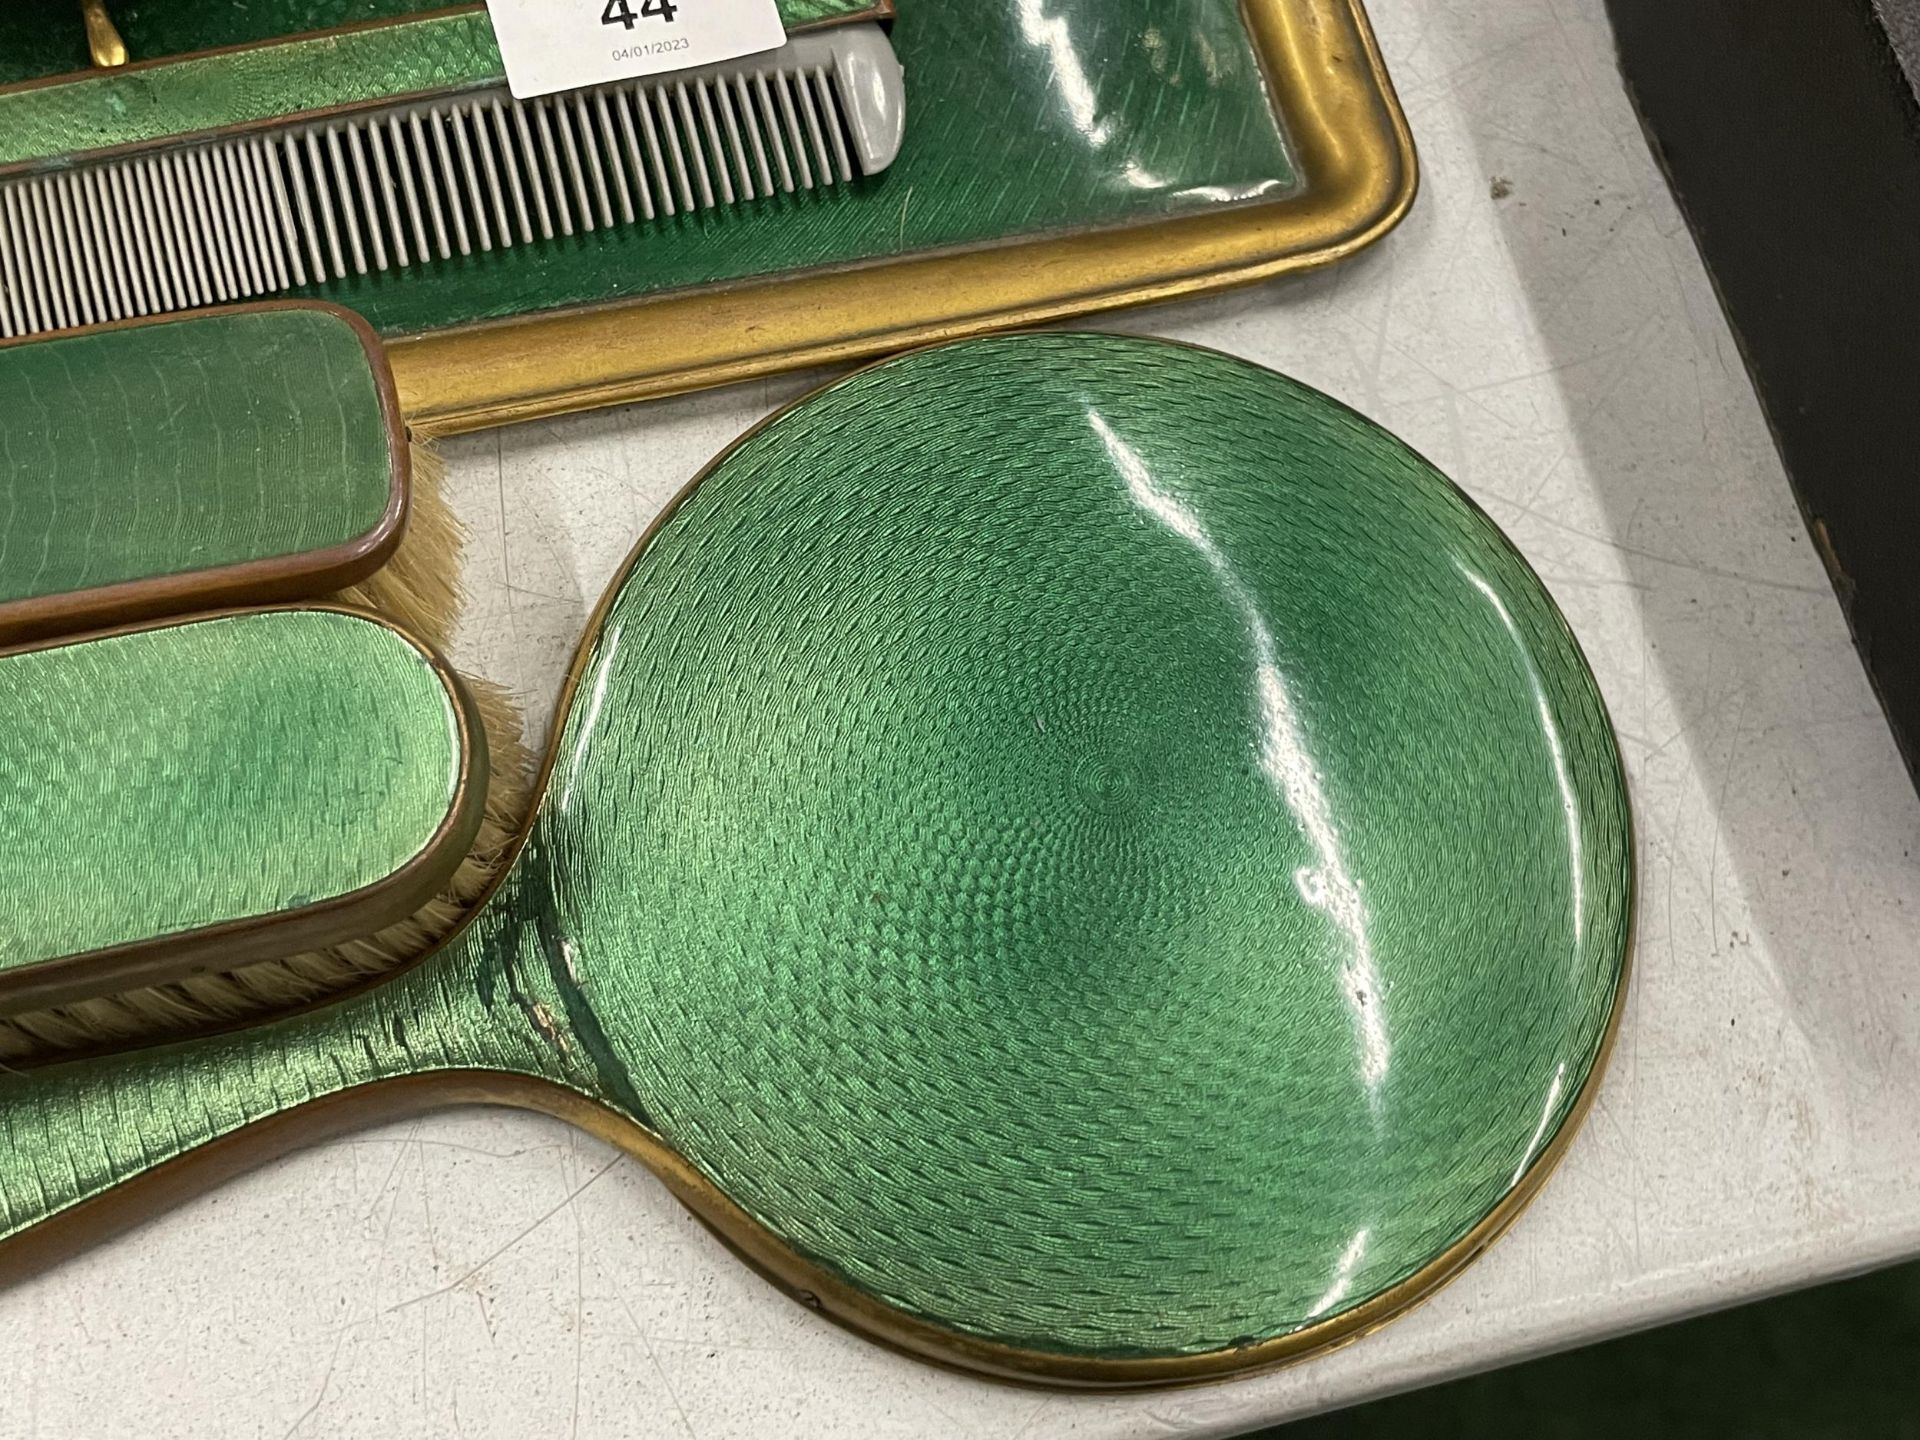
[[418, 591]]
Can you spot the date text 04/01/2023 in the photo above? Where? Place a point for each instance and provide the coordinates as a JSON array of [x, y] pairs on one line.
[[658, 47]]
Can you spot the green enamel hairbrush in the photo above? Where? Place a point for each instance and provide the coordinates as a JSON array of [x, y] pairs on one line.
[[1080, 857], [222, 817]]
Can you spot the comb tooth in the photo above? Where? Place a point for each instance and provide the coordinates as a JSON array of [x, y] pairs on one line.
[[804, 94], [316, 166], [53, 245], [409, 188], [25, 301], [168, 283], [580, 125], [206, 204], [571, 152], [470, 196], [162, 189], [133, 242], [113, 264], [609, 144], [81, 251], [835, 128], [676, 149], [20, 316], [364, 203], [73, 287], [544, 123], [723, 106], [383, 196], [59, 287], [117, 237], [232, 207], [637, 98], [624, 111], [11, 321], [208, 210], [530, 159], [33, 242], [750, 124], [489, 172], [796, 141], [429, 184], [703, 101], [251, 244], [343, 199], [276, 220], [509, 166], [167, 277], [300, 184], [66, 229], [690, 145], [449, 187], [670, 142], [769, 116]]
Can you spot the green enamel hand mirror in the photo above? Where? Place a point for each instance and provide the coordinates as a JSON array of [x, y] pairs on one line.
[[1079, 857]]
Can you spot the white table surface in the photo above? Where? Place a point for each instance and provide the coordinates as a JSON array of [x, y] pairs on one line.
[[1559, 351]]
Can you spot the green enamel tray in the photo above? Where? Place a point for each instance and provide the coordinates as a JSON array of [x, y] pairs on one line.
[[221, 791], [246, 456], [1059, 159], [1082, 858]]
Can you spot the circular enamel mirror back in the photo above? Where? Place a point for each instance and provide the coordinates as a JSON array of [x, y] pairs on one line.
[[1108, 856]]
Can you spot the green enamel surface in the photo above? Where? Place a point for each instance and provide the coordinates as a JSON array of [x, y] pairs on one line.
[[1091, 842], [1022, 119], [186, 445], [205, 92], [167, 780]]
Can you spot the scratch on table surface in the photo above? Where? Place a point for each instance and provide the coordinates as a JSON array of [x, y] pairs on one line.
[[542, 1219], [400, 1153], [325, 1381], [653, 1356], [1719, 824]]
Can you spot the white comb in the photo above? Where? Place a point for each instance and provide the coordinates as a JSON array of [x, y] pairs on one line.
[[206, 222]]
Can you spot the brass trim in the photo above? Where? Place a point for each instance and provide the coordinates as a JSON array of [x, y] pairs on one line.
[[231, 944], [268, 580], [1359, 175], [104, 46], [129, 1202]]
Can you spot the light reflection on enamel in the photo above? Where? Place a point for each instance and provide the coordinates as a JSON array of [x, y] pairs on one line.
[[1569, 806], [1289, 766], [583, 746], [1546, 1116], [1052, 33], [1342, 1274]]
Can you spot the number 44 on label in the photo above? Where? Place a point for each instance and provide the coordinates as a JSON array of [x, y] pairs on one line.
[[554, 45], [621, 12]]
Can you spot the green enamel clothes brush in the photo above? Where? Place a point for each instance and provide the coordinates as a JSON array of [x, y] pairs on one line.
[[1081, 858]]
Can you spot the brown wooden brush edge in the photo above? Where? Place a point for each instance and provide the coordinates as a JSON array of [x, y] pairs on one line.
[[233, 944], [270, 581]]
